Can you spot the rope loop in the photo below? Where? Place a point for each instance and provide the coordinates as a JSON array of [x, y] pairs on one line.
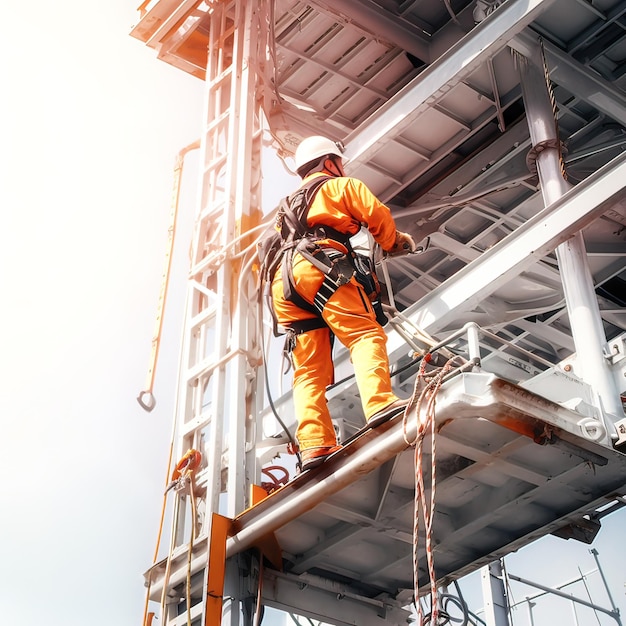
[[276, 481]]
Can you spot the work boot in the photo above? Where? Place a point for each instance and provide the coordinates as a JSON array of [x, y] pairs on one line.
[[312, 457], [391, 410]]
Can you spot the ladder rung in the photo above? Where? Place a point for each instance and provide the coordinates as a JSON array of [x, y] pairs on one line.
[[216, 82]]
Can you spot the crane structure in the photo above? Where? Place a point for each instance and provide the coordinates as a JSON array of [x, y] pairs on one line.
[[494, 128]]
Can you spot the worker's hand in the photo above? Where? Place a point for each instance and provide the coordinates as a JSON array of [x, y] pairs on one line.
[[403, 244]]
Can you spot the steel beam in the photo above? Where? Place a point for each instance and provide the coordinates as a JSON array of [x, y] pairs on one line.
[[494, 594], [159, 20], [328, 601], [482, 44], [520, 250]]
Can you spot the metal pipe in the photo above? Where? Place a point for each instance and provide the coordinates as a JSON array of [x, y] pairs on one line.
[[332, 478], [146, 397], [571, 74], [494, 593], [575, 615], [473, 343], [580, 298], [573, 581], [594, 552], [531, 618], [567, 596]]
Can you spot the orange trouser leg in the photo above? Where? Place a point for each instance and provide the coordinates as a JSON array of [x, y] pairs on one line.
[[313, 372], [348, 313], [313, 365]]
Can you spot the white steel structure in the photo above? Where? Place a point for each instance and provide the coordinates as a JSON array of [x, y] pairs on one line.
[[497, 129]]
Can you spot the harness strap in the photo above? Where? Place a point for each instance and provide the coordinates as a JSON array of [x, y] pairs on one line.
[[338, 268], [327, 289], [333, 263], [299, 327], [289, 286]]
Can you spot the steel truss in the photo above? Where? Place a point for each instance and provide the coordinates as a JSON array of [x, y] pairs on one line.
[[217, 405]]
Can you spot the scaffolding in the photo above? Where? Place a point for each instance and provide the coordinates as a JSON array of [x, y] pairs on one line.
[[535, 434]]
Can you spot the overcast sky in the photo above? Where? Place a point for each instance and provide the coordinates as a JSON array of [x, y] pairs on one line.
[[91, 125]]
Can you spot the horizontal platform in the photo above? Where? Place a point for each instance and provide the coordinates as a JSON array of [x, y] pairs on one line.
[[511, 467]]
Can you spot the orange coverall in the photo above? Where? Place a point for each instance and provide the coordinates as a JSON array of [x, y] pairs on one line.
[[345, 204]]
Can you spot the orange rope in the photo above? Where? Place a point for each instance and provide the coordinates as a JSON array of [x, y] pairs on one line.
[[147, 617], [168, 563]]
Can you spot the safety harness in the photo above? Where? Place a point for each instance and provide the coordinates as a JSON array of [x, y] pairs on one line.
[[290, 235]]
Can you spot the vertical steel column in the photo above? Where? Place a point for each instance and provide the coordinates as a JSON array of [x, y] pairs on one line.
[[496, 605], [245, 205], [615, 612], [531, 617], [580, 297]]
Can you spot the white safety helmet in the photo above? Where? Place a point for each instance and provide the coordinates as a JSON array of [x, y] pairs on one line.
[[314, 148]]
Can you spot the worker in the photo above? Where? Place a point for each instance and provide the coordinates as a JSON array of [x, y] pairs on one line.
[[340, 206]]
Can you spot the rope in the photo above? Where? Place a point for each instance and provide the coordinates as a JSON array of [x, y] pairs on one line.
[[258, 613], [192, 538], [147, 617], [275, 483], [555, 108], [146, 397], [168, 564], [181, 479], [292, 446], [425, 392], [265, 346]]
